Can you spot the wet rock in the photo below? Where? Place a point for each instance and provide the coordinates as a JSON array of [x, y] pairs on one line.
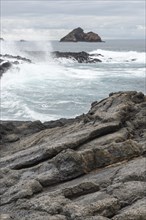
[[4, 66], [7, 61], [8, 56], [80, 57]]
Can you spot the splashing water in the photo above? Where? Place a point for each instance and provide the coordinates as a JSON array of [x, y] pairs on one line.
[[50, 89]]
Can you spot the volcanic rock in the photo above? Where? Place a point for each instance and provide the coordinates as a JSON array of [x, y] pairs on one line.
[[7, 61], [79, 35], [92, 167], [80, 57], [4, 66]]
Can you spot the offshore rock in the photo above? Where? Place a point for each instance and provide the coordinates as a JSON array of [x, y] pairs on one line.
[[80, 57], [79, 35], [91, 167]]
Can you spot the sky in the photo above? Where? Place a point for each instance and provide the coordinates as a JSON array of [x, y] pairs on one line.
[[53, 19]]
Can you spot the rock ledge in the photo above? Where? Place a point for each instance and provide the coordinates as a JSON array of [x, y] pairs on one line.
[[92, 167]]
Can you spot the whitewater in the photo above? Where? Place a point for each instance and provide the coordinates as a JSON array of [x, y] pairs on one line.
[[49, 89]]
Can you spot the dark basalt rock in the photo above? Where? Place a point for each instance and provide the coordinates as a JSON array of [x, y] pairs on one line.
[[79, 35], [6, 63], [80, 57], [91, 167], [8, 56], [4, 66]]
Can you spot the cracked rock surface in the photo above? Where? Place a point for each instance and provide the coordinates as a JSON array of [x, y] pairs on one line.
[[92, 167]]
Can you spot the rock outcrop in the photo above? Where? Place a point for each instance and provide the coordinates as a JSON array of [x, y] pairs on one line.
[[79, 35], [80, 57], [8, 61], [92, 167], [4, 66]]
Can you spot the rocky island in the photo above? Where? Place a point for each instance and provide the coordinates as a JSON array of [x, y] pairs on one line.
[[79, 35], [92, 167]]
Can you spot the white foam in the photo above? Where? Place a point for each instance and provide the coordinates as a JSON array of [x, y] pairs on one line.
[[119, 56], [31, 91]]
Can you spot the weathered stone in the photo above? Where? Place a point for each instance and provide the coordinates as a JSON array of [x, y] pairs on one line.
[[80, 189], [135, 212], [91, 167]]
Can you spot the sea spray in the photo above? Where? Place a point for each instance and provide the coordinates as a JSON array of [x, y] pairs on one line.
[[49, 88]]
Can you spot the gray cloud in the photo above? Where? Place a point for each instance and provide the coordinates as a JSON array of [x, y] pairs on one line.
[[110, 19]]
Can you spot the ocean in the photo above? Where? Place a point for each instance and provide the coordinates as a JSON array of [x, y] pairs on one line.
[[49, 89]]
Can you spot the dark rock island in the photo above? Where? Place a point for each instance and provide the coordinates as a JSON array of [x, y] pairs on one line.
[[92, 167], [79, 35]]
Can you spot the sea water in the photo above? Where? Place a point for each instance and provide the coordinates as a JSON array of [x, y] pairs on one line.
[[49, 89]]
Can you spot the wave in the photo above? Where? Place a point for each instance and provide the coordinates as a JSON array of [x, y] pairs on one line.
[[109, 56], [51, 89]]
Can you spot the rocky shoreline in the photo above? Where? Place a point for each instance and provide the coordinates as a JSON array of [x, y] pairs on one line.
[[8, 61], [92, 167]]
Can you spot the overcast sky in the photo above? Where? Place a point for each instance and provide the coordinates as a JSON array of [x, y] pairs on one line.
[[52, 19]]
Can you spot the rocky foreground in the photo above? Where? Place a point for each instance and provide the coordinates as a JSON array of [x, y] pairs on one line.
[[92, 167]]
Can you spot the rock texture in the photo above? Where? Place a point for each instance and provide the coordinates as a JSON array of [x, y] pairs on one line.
[[79, 35], [92, 167], [80, 57]]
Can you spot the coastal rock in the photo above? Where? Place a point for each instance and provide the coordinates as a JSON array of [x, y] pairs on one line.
[[91, 167], [4, 66], [79, 35], [8, 61], [8, 56], [80, 57]]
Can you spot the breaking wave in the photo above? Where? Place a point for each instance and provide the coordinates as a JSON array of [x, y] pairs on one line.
[[48, 89]]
